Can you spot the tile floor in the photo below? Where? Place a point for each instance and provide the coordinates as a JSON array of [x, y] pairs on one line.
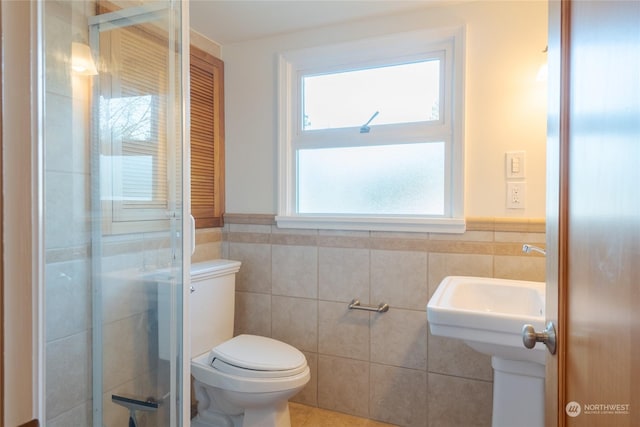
[[307, 416]]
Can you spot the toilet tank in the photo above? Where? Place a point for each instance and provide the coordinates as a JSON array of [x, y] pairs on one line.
[[212, 303]]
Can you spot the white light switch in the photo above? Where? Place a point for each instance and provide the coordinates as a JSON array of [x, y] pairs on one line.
[[515, 164]]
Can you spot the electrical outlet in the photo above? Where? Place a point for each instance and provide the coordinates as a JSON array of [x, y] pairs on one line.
[[516, 195]]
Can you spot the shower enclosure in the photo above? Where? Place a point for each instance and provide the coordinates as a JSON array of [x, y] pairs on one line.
[[113, 166]]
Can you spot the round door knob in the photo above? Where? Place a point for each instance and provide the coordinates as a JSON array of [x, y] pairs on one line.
[[530, 337]]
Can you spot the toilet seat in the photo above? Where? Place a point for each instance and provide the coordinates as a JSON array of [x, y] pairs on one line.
[[205, 373], [256, 356]]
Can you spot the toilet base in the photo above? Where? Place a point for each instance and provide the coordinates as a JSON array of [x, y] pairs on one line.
[[518, 393], [276, 416], [213, 419], [221, 408], [251, 418], [198, 422]]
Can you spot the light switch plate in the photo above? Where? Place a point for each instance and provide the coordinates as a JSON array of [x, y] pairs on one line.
[[515, 164]]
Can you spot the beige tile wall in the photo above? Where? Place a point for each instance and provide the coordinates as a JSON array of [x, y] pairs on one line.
[[67, 230], [208, 244], [295, 285]]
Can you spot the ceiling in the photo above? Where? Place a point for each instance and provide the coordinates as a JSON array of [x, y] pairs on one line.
[[232, 21]]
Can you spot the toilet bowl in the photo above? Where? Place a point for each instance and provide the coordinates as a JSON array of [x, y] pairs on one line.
[[252, 389], [242, 381]]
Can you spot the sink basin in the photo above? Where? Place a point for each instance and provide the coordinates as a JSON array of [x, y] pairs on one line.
[[488, 314]]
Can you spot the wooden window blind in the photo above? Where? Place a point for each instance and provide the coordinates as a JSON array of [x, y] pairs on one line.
[[207, 139]]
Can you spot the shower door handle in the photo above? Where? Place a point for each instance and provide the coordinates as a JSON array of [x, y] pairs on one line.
[[193, 234]]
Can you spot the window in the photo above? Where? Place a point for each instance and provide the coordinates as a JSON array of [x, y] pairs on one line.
[[129, 175], [136, 155], [410, 93], [370, 134]]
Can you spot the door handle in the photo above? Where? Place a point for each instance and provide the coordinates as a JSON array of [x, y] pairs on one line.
[[530, 337], [193, 233]]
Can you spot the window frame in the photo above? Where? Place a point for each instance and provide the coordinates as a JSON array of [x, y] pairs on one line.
[[393, 49]]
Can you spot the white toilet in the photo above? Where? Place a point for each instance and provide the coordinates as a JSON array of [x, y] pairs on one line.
[[239, 381]]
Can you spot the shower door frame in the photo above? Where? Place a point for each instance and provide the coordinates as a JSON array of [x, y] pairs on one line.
[[182, 418], [132, 16]]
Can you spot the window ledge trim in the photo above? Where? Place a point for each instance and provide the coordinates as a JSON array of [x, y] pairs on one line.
[[398, 224]]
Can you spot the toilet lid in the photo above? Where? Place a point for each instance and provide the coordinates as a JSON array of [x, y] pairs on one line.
[[258, 354], [227, 368]]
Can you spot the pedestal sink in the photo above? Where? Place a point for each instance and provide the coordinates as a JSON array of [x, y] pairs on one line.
[[488, 315]]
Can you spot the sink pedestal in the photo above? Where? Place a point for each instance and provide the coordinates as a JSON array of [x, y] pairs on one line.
[[518, 393], [488, 314]]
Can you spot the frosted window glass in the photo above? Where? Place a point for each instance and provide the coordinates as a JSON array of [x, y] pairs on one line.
[[400, 93], [404, 179]]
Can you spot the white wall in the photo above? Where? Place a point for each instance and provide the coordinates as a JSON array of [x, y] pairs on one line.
[[505, 105], [201, 42]]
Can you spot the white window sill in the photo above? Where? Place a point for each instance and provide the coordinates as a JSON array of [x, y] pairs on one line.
[[401, 224]]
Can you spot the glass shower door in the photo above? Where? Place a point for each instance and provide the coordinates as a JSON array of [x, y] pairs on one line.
[[113, 213]]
